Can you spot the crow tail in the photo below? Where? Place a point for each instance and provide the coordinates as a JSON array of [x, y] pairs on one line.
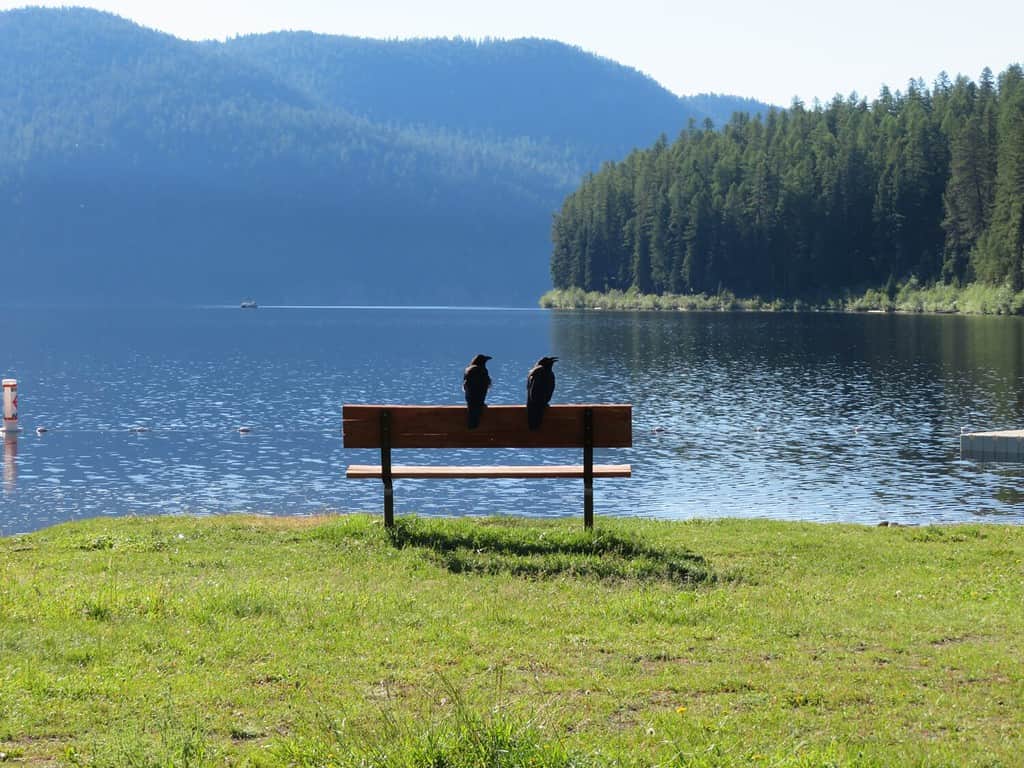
[[534, 415]]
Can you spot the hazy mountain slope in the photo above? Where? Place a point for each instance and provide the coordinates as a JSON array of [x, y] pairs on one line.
[[90, 90], [134, 164], [543, 89]]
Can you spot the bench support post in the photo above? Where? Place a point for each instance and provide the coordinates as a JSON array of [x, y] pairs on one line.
[[588, 469], [385, 468]]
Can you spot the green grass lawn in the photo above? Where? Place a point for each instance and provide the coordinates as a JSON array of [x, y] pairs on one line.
[[274, 641]]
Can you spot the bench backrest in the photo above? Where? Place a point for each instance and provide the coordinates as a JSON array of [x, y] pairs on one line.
[[501, 426]]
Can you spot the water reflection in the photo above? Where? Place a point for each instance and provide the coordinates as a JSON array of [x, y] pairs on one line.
[[810, 416], [10, 461], [823, 417]]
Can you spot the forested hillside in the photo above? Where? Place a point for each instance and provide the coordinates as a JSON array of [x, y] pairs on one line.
[[927, 183], [297, 167], [534, 88]]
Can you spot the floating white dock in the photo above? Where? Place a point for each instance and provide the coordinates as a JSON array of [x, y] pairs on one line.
[[1007, 445]]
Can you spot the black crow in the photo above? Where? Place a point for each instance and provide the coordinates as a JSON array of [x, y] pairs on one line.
[[540, 385], [475, 383]]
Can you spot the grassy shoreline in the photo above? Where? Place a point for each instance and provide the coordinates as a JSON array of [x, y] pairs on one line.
[[973, 299], [330, 641]]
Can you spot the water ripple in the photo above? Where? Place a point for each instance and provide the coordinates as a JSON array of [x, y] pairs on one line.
[[812, 417]]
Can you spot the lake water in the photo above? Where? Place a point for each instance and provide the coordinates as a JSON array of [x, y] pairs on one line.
[[812, 417]]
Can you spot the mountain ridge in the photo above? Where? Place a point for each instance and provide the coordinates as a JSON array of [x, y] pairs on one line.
[[117, 140]]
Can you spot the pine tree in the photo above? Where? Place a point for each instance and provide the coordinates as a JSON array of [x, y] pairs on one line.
[[1000, 256]]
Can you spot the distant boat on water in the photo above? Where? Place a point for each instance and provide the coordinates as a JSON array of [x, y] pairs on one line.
[[249, 304]]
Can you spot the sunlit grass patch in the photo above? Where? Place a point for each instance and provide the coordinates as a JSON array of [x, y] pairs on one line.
[[281, 642]]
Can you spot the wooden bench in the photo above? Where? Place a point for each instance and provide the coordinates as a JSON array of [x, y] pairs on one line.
[[586, 426]]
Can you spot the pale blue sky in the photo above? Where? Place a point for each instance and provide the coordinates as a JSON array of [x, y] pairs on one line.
[[770, 51]]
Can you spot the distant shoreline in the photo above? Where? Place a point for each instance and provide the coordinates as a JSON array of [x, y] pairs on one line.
[[910, 298]]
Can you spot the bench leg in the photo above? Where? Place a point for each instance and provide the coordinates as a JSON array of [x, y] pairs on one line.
[[385, 469], [588, 469], [389, 504], [588, 503]]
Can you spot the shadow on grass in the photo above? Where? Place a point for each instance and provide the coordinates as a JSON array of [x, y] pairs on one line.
[[546, 552]]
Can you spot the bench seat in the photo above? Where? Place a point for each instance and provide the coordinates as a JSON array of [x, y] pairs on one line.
[[373, 471]]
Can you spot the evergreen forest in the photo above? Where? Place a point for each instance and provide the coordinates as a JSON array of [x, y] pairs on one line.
[[924, 185]]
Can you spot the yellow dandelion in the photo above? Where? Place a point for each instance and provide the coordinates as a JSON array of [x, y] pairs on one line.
[[681, 709]]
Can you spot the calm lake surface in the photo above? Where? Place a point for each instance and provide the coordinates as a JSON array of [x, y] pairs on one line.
[[813, 417]]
